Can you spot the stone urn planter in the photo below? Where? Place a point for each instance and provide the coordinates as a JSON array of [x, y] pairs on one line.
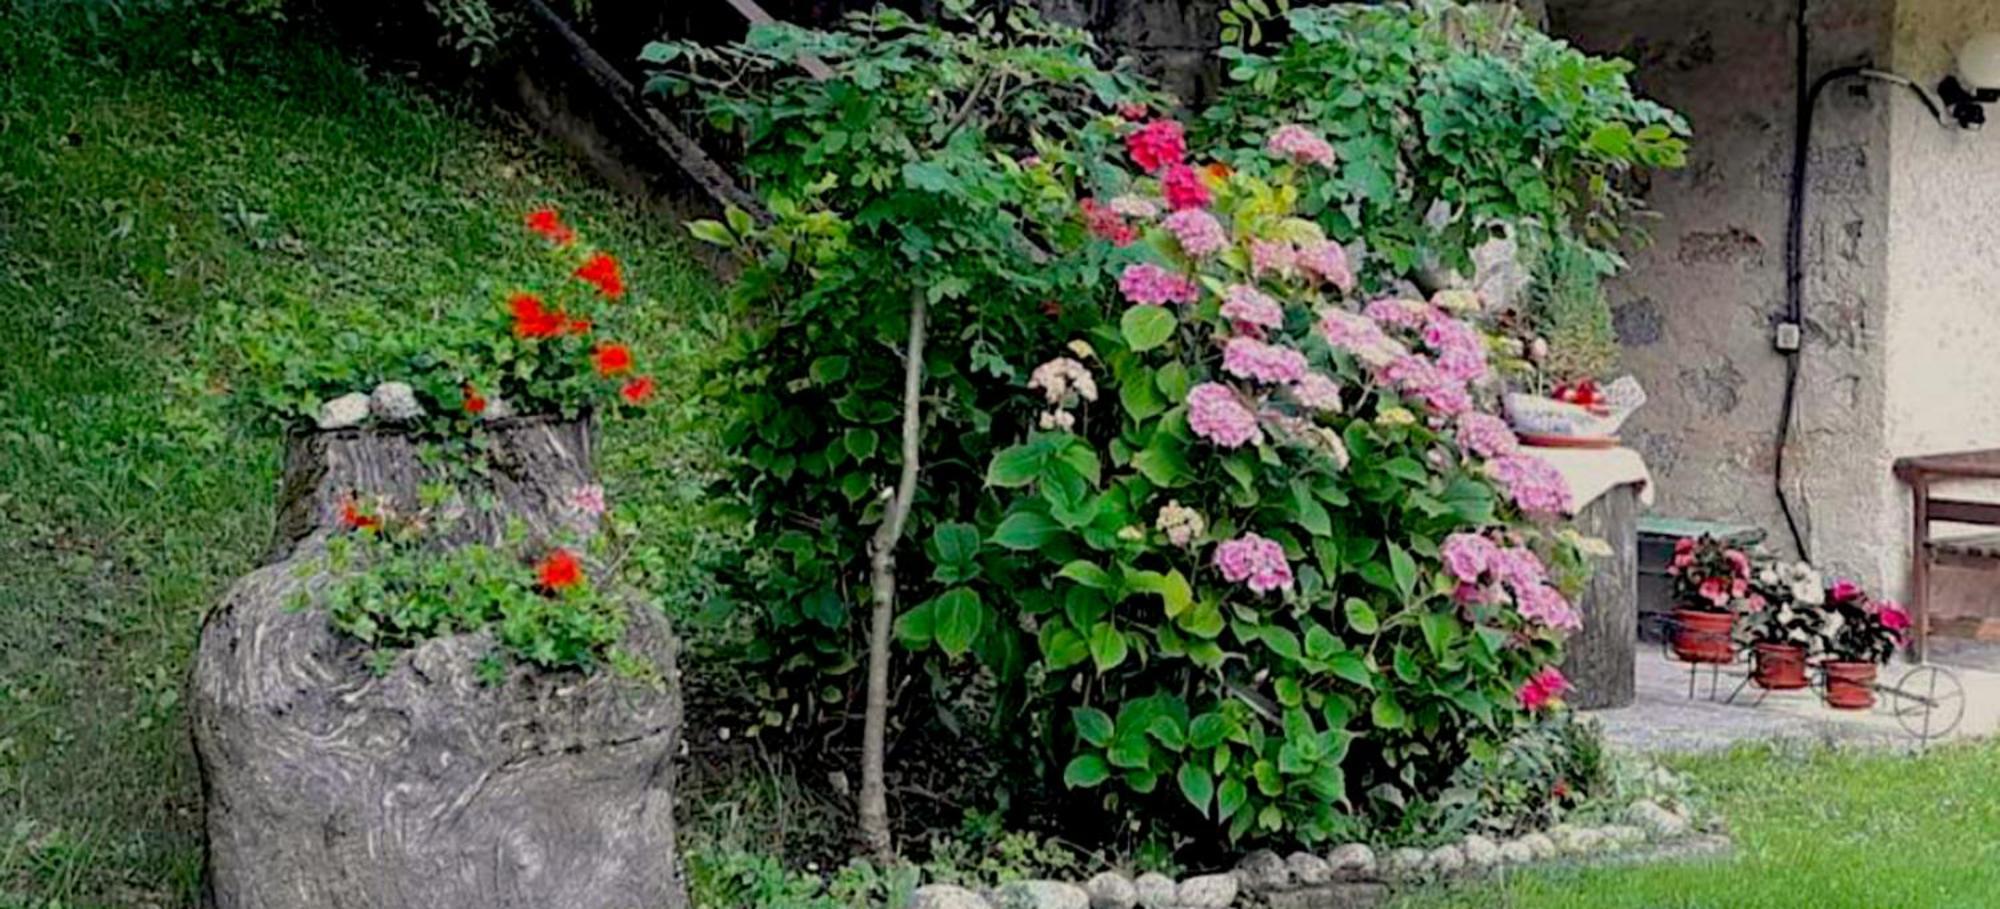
[[1703, 637], [329, 782], [1781, 667], [1850, 685]]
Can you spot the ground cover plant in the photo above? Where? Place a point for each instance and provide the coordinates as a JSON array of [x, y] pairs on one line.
[[162, 176]]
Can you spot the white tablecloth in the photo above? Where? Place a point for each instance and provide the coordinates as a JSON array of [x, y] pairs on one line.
[[1592, 472]]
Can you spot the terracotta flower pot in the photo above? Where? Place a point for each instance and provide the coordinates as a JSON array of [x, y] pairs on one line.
[[1850, 685], [1703, 637], [1781, 667]]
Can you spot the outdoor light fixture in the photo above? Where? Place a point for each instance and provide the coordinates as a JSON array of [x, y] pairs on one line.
[[1977, 82]]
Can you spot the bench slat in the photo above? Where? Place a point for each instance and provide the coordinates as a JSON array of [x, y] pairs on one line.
[[1984, 546]]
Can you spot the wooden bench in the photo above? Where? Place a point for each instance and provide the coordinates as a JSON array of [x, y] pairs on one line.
[[1978, 550]]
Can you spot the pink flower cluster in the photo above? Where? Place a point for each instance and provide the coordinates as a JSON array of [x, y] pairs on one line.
[[1360, 336], [1461, 352], [1273, 257], [1543, 688], [1199, 233], [1157, 144], [1301, 145], [1317, 392], [1484, 570], [1417, 376], [1251, 311], [1182, 188], [1533, 485], [1107, 223], [1216, 413], [1485, 435], [1327, 260], [1147, 284], [1255, 561], [1395, 313], [1248, 358]]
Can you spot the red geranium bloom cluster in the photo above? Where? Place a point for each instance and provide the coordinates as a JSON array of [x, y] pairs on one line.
[[353, 518], [534, 320], [612, 359], [475, 404], [638, 391], [1107, 224], [549, 224], [559, 570], [1708, 574], [602, 271], [1542, 689]]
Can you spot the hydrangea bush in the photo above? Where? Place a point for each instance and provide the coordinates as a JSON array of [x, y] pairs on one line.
[[1293, 565]]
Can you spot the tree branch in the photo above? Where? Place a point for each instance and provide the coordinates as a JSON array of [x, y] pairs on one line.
[[882, 577]]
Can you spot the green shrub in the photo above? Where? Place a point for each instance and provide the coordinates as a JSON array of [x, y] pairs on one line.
[[1566, 305], [1450, 121]]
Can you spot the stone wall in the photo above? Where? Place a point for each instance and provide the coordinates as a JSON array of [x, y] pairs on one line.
[[1944, 272], [1697, 310]]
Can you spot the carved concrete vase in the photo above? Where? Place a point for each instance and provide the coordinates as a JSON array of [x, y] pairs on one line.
[[330, 785]]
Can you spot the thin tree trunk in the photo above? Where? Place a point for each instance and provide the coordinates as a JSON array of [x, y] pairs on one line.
[[882, 577]]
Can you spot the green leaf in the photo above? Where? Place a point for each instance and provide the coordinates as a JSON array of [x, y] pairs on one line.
[[1281, 641], [1386, 712], [1229, 798], [1093, 724], [1085, 771], [1078, 456], [1141, 399], [1361, 616], [1168, 732], [829, 369], [860, 442], [1320, 643], [1088, 574], [1404, 569], [1174, 382], [1131, 751], [1172, 587], [1063, 648], [954, 549], [959, 617], [1440, 631], [1207, 731], [916, 627], [1147, 327], [1016, 466], [712, 232], [1025, 530], [1197, 785], [1107, 646], [1163, 462], [1351, 667]]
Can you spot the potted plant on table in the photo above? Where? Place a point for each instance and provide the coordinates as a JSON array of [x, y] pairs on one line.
[[1710, 577], [1783, 622], [1861, 634]]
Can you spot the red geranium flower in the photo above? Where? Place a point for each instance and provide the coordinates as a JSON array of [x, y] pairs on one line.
[[612, 359], [474, 403], [531, 320], [558, 570], [548, 223], [602, 271], [578, 327], [354, 518], [639, 390]]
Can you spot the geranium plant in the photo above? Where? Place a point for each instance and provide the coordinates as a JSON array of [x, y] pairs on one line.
[[1709, 575], [1860, 628], [1293, 571]]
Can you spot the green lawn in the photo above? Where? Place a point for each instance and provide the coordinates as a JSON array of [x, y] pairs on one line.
[[152, 171], [1813, 828]]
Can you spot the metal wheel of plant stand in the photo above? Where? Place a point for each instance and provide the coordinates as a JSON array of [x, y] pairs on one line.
[[1927, 702]]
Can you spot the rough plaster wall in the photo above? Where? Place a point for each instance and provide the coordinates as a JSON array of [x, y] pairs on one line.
[[1695, 312], [1944, 273]]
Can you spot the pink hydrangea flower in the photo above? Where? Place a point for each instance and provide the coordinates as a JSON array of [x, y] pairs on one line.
[[1107, 224], [588, 499], [1183, 188], [1301, 145], [1543, 688], [1132, 206], [1316, 391], [1248, 358], [1486, 435], [1518, 568], [1198, 232], [1545, 604], [1254, 561], [1468, 556], [1533, 485], [1461, 352], [1273, 257], [1216, 413], [1327, 260], [1408, 314], [1147, 284], [1418, 377], [1157, 144], [1247, 307], [1360, 336]]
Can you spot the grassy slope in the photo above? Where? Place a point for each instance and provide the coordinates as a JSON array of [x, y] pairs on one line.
[[142, 185], [1830, 830]]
